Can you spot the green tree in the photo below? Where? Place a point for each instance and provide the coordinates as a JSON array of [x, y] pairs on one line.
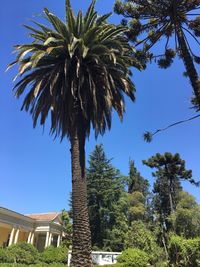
[[184, 252], [77, 71], [170, 170], [104, 191], [165, 19], [140, 237], [67, 223], [117, 235], [135, 181], [136, 208], [139, 196], [186, 218]]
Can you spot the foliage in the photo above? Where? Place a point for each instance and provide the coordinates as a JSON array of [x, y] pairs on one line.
[[132, 258], [174, 23], [32, 265], [170, 170], [140, 237], [104, 192], [27, 254], [68, 64], [148, 136], [186, 218], [136, 182], [23, 253], [54, 255], [66, 221], [136, 208], [184, 252], [6, 256], [120, 226]]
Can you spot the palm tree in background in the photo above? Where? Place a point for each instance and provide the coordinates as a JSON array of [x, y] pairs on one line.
[[153, 20], [77, 71]]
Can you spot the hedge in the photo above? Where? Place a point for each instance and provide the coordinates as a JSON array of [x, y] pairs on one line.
[[132, 257], [184, 252]]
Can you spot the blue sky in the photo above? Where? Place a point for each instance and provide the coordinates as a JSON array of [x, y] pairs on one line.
[[35, 170]]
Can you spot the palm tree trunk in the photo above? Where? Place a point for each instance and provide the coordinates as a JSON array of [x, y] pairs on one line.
[[189, 64], [81, 240]]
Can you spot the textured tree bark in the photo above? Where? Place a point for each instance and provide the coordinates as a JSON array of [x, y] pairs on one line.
[[170, 197], [189, 65], [81, 240]]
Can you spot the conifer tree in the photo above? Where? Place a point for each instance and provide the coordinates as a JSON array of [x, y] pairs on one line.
[[174, 22], [170, 170], [136, 182], [104, 191]]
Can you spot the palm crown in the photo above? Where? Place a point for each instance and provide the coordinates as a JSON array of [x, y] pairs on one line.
[[76, 69]]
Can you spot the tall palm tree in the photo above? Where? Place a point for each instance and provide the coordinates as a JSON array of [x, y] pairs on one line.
[[78, 71], [156, 19]]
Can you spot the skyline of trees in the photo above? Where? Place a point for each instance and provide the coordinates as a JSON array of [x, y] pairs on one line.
[[143, 217]]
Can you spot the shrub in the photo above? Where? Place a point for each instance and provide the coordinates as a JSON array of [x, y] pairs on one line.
[[5, 256], [140, 237], [52, 255], [35, 265], [22, 253], [132, 258], [162, 264], [184, 252]]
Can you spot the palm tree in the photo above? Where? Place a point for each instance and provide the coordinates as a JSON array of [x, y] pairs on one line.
[[78, 71], [157, 19]]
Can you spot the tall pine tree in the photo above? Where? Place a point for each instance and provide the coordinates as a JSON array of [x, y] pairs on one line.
[[170, 170], [104, 191], [136, 181]]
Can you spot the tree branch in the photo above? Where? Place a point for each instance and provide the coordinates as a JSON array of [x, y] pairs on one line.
[[148, 136]]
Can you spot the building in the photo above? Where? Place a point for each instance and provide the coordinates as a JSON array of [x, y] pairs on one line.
[[41, 230]]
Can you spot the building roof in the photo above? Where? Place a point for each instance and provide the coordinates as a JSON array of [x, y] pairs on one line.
[[15, 214], [49, 216]]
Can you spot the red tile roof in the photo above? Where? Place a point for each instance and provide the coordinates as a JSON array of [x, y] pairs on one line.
[[50, 216]]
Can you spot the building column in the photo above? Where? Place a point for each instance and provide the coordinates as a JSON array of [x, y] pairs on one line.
[[58, 240], [11, 237], [29, 238], [32, 238], [47, 240], [50, 239], [16, 236]]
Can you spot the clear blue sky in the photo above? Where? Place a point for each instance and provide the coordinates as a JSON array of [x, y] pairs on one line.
[[35, 171]]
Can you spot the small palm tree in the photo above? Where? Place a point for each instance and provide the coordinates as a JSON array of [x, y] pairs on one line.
[[77, 71], [157, 19]]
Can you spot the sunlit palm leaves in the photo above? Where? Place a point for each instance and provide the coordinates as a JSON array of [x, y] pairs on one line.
[[79, 66], [178, 21]]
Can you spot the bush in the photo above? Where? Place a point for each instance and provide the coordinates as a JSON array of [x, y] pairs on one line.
[[20, 253], [162, 264], [184, 252], [132, 258], [140, 237], [35, 265], [5, 256], [52, 255]]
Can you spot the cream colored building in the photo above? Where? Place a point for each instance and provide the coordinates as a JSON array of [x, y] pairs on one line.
[[41, 230]]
